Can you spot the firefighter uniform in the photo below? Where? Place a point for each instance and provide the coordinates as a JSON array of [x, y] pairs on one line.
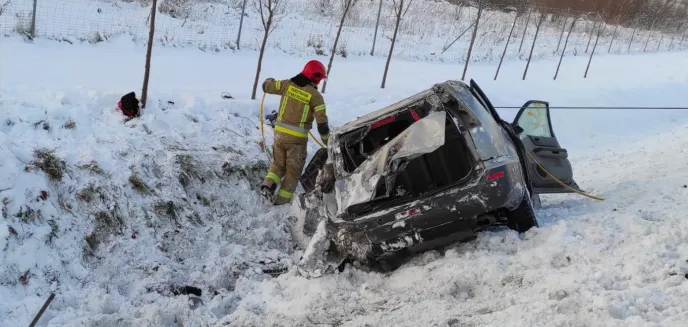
[[300, 104]]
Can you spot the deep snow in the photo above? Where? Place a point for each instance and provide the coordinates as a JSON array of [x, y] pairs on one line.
[[617, 263], [428, 31]]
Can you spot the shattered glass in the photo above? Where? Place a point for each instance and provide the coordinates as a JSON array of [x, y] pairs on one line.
[[422, 137]]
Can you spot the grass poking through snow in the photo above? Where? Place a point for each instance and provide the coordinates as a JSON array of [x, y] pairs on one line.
[[105, 224], [47, 161], [70, 124], [138, 184], [93, 167], [88, 193]]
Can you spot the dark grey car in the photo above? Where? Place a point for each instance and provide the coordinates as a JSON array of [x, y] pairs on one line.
[[432, 169]]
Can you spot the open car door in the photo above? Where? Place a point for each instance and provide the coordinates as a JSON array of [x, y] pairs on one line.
[[542, 145]]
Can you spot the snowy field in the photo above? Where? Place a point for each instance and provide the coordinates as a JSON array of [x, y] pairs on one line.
[[134, 210], [428, 31]]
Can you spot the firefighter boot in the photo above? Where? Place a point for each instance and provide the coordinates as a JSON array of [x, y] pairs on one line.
[[268, 192]]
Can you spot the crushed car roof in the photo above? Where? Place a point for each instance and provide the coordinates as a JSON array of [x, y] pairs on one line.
[[382, 113], [392, 108]]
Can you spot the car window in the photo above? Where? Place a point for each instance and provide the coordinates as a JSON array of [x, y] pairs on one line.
[[482, 113], [486, 138], [473, 104], [534, 120]]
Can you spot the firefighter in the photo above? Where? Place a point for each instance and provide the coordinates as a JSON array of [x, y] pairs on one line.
[[300, 104]]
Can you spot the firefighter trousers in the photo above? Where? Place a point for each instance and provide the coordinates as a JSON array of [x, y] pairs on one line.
[[288, 159]]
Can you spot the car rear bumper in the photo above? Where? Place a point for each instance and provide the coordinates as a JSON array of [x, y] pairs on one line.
[[451, 212]]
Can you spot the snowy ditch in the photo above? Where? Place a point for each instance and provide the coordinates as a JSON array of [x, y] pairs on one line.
[[135, 212], [110, 215], [121, 217]]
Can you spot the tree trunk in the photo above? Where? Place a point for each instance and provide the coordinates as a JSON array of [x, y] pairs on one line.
[[391, 47], [241, 25], [513, 26], [565, 44], [260, 60], [470, 46], [594, 26], [599, 32], [377, 24], [563, 28], [632, 36], [532, 47], [525, 29], [149, 49], [336, 40]]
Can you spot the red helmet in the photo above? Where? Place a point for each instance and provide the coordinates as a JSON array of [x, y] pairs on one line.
[[315, 71]]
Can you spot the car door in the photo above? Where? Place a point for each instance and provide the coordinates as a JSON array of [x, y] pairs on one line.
[[544, 150]]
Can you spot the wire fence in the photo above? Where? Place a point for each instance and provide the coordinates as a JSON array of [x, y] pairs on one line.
[[430, 30]]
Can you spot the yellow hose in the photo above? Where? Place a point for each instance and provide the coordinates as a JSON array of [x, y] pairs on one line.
[[316, 140], [262, 133], [562, 183], [262, 130]]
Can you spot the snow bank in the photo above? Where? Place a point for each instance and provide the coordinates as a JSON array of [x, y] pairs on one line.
[[139, 208], [113, 217]]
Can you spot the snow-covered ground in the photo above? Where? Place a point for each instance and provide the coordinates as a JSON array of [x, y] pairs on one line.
[[168, 200], [428, 31]]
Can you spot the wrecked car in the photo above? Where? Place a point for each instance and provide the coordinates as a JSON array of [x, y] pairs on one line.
[[430, 170]]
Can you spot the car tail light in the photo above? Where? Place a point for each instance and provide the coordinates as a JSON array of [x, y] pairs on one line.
[[496, 175], [415, 116], [407, 213], [383, 122]]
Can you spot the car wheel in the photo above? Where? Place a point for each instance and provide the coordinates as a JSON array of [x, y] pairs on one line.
[[523, 218]]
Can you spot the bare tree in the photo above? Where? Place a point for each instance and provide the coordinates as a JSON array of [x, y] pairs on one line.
[[475, 34], [271, 11], [541, 19], [4, 6], [346, 6], [400, 9], [149, 49]]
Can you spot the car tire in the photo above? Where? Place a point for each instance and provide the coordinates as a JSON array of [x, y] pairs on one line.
[[523, 218]]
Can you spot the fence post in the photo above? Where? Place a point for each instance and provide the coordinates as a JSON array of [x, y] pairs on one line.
[[561, 58], [33, 20], [599, 31], [379, 10], [632, 35], [241, 24], [506, 46], [613, 36], [475, 34], [525, 29], [540, 21]]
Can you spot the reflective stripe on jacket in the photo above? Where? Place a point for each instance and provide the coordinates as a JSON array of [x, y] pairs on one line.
[[298, 108]]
